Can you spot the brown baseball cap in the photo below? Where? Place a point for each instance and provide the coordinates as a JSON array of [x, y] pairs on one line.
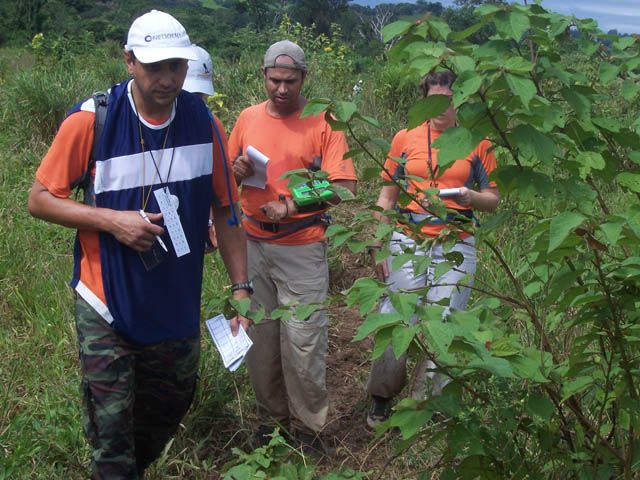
[[288, 48]]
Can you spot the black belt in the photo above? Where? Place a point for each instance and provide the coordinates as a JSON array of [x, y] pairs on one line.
[[289, 227]]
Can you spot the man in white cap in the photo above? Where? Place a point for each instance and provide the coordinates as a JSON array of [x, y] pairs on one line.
[[138, 283], [287, 247], [199, 80]]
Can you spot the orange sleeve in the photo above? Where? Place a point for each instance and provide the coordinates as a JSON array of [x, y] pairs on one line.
[[397, 147], [235, 142], [333, 162], [68, 155], [223, 181]]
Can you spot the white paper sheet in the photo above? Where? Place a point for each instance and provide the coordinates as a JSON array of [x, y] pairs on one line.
[[260, 161], [232, 349], [172, 222]]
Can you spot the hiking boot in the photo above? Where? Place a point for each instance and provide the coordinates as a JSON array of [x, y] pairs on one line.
[[380, 411], [313, 445]]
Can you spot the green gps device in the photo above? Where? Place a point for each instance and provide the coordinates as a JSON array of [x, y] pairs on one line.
[[314, 191]]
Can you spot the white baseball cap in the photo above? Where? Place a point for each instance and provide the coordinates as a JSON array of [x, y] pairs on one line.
[[157, 36], [199, 75]]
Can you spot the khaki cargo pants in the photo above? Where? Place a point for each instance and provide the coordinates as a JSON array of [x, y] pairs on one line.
[[287, 362]]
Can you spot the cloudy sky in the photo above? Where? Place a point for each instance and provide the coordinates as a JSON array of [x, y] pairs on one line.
[[623, 15]]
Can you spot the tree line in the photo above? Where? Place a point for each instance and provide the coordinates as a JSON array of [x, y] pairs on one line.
[[220, 24]]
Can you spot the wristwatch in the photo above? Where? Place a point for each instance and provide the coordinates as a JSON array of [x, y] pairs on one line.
[[248, 286]]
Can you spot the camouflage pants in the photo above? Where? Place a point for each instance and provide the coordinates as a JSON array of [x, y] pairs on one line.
[[134, 396]]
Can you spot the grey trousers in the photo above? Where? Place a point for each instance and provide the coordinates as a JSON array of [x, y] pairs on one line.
[[287, 362], [388, 373]]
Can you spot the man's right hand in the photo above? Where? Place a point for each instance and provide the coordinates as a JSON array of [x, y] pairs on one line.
[[134, 231], [242, 168]]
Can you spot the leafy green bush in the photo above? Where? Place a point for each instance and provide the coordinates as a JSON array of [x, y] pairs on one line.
[[278, 460], [545, 365]]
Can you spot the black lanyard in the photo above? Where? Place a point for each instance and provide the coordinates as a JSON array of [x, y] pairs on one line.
[[432, 171], [145, 198]]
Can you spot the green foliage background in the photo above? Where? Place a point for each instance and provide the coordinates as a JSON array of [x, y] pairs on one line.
[[556, 386]]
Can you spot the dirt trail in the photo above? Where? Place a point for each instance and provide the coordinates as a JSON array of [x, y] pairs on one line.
[[348, 366]]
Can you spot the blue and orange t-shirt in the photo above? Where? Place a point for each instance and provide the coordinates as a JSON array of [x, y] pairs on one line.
[[191, 163]]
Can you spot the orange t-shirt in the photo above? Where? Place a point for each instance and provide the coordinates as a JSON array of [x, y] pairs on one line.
[[66, 161], [471, 172], [290, 143]]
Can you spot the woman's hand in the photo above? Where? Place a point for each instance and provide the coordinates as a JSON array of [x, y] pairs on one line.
[[486, 200], [466, 196], [382, 267]]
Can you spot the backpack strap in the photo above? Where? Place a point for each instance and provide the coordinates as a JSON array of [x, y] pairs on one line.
[[85, 182]]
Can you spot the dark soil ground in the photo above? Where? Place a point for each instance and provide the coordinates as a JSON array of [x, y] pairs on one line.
[[348, 366]]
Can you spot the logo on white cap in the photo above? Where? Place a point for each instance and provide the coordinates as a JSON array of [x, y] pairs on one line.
[[157, 36]]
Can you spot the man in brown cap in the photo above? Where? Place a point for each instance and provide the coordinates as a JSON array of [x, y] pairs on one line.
[[287, 246]]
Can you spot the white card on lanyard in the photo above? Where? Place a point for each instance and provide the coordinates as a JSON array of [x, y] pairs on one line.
[[172, 222]]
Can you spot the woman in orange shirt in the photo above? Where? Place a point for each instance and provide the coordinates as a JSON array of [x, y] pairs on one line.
[[467, 180]]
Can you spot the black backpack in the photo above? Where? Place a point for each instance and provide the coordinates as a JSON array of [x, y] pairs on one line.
[[85, 182]]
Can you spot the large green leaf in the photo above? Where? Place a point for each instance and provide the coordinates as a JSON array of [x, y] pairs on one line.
[[304, 311], [579, 102], [606, 123], [561, 227], [608, 72], [365, 293], [426, 108], [630, 89], [344, 110], [612, 231], [518, 65], [458, 36], [410, 421], [401, 338], [629, 180], [439, 336], [454, 144], [404, 303], [466, 85], [498, 366], [541, 406], [339, 234], [522, 87], [439, 28], [486, 9], [589, 161], [315, 106], [576, 386], [462, 63], [533, 144], [381, 342], [625, 42], [375, 322], [529, 366], [512, 24], [395, 29], [423, 64]]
